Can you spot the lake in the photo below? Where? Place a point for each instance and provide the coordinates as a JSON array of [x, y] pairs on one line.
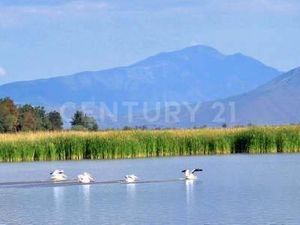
[[232, 190]]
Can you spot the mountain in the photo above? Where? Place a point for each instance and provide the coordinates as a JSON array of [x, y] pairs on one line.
[[274, 103], [193, 74], [277, 102]]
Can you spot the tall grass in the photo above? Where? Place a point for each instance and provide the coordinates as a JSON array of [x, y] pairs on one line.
[[136, 144]]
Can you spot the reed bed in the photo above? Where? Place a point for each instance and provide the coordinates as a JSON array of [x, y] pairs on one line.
[[67, 145]]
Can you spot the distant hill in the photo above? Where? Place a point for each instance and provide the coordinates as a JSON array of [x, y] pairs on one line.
[[277, 102], [274, 103], [193, 74]]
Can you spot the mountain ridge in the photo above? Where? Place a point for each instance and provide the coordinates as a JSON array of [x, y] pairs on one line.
[[274, 103], [193, 74]]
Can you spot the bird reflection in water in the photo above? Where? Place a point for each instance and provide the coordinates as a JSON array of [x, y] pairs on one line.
[[86, 197], [189, 187], [86, 193], [58, 197], [131, 190]]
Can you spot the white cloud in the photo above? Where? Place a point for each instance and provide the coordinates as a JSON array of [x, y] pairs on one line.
[[2, 72]]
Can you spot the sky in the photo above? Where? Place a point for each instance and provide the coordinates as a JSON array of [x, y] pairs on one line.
[[45, 38]]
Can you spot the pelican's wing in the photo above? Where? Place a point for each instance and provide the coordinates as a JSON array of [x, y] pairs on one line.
[[197, 170], [54, 172], [183, 171], [134, 177], [91, 177]]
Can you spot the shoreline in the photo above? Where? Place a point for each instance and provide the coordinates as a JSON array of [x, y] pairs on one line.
[[154, 158]]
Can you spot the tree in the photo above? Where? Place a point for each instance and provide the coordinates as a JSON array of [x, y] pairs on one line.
[[27, 120], [78, 119], [8, 115], [41, 117], [81, 121], [27, 117], [127, 128], [55, 120], [32, 118], [224, 125], [90, 123]]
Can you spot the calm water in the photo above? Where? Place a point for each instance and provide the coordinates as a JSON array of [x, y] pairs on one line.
[[232, 190]]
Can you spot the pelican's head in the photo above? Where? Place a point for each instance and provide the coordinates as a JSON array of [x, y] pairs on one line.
[[186, 172]]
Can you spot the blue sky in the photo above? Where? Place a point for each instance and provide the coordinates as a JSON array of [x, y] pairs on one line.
[[44, 38]]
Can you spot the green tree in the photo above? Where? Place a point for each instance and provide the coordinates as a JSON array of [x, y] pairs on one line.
[[55, 120], [41, 117], [90, 123], [81, 121], [78, 119], [8, 115], [27, 119], [32, 118]]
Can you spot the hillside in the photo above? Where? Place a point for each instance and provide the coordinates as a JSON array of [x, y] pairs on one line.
[[276, 102], [193, 74]]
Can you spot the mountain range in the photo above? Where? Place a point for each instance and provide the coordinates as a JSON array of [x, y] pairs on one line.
[[275, 103], [193, 74], [232, 89]]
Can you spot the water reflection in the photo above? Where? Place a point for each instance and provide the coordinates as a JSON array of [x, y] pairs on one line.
[[58, 194], [86, 193], [86, 200], [189, 187], [59, 204], [131, 190]]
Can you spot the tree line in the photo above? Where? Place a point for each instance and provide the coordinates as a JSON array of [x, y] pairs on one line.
[[17, 118]]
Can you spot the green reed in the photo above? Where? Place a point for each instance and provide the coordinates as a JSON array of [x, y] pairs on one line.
[[137, 143]]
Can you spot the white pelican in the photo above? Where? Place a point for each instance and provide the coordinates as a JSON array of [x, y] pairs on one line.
[[85, 178], [58, 175], [189, 175], [131, 178]]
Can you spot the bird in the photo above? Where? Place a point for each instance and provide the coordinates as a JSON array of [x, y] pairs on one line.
[[189, 175], [58, 175], [131, 178], [85, 178]]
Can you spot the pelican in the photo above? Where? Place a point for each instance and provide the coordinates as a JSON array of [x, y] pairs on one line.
[[85, 178], [131, 178], [58, 175], [189, 175]]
